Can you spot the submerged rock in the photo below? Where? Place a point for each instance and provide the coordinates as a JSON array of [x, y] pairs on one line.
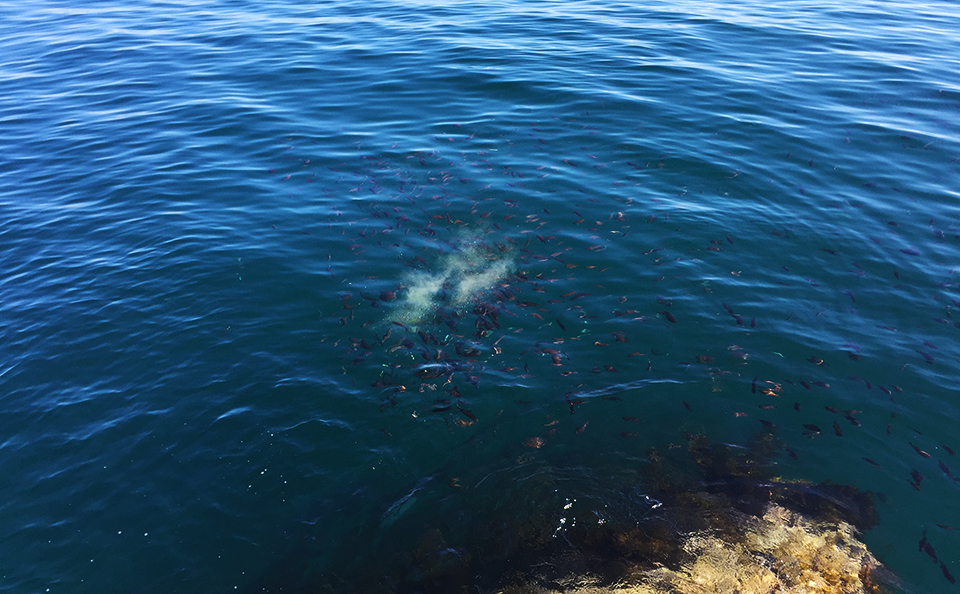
[[782, 551], [709, 519]]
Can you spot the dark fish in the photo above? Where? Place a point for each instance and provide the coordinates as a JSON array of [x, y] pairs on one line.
[[467, 350], [467, 413], [635, 419], [581, 428], [852, 419], [948, 450], [687, 406], [753, 386], [919, 451], [792, 454], [926, 356], [805, 384], [559, 323], [831, 409], [837, 429], [670, 317], [533, 442], [811, 428], [796, 406], [927, 548], [944, 468], [947, 574], [704, 359], [917, 478], [869, 461]]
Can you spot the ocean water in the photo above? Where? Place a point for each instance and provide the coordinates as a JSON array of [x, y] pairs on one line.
[[285, 285]]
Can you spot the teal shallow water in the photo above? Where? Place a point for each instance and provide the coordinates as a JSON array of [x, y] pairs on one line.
[[212, 216]]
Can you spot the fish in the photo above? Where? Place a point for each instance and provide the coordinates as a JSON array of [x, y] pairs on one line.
[[919, 451], [467, 413], [926, 547], [533, 442], [670, 317], [947, 574], [917, 478], [944, 468]]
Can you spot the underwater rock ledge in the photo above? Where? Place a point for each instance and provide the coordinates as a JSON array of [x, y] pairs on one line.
[[706, 519], [782, 551]]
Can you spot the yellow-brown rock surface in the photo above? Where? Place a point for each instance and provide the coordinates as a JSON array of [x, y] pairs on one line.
[[782, 552]]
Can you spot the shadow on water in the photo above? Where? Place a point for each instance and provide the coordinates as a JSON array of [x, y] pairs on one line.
[[570, 522]]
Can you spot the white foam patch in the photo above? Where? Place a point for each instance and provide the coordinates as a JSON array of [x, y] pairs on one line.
[[462, 278]]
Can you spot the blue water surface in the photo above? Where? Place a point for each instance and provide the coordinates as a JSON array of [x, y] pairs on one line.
[[223, 224]]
